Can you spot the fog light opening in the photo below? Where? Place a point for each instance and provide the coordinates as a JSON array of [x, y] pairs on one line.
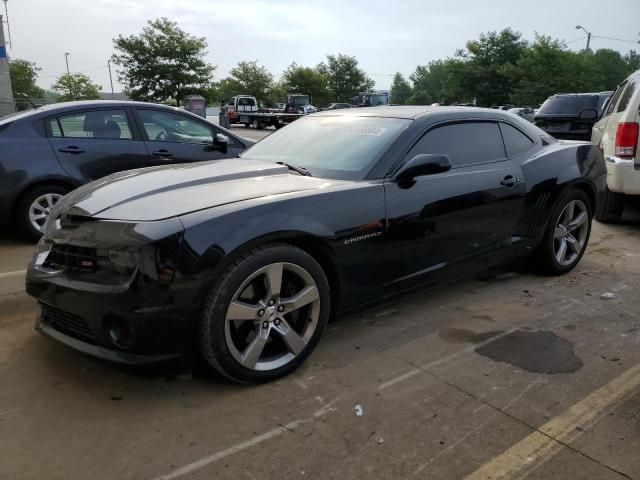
[[120, 333]]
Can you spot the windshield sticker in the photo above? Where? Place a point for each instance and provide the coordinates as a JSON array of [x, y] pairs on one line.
[[366, 131]]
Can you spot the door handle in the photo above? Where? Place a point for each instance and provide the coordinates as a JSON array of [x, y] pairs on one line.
[[71, 149], [510, 181], [162, 153]]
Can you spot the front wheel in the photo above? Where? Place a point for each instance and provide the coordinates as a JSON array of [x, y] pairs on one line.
[[33, 209], [265, 315], [567, 234]]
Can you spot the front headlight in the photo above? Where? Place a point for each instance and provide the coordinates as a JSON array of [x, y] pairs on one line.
[[123, 261]]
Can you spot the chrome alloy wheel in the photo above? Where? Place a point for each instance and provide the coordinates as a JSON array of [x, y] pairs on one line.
[[40, 209], [272, 316], [571, 231]]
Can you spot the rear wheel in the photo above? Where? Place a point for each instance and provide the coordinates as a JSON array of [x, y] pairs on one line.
[[265, 315], [610, 207], [258, 125], [567, 234], [33, 209]]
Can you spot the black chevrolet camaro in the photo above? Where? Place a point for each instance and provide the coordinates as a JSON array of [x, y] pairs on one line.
[[246, 259]]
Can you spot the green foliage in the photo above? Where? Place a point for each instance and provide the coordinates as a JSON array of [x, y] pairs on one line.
[[247, 78], [161, 63], [400, 89], [307, 81], [76, 86], [23, 82], [501, 68], [345, 79]]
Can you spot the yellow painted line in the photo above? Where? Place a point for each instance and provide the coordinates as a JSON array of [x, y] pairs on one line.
[[535, 449]]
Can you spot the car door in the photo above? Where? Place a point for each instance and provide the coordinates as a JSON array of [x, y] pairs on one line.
[[445, 220], [173, 137], [90, 144]]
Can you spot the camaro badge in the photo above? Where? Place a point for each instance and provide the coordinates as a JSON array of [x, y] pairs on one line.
[[362, 237]]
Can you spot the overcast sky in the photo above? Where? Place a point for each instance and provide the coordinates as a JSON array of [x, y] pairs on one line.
[[386, 36]]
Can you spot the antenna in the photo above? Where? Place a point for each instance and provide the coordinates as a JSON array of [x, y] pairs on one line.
[[6, 14]]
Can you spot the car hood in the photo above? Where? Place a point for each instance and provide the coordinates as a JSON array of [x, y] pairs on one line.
[[158, 193]]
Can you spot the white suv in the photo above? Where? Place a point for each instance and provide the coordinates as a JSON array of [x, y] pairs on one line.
[[617, 136]]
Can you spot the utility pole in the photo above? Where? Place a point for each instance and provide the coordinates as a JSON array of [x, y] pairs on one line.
[[113, 95], [66, 59], [579, 27]]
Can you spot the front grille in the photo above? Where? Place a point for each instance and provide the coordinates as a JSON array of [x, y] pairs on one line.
[[72, 257], [67, 323]]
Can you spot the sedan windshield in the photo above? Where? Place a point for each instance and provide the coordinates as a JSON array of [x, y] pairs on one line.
[[342, 147]]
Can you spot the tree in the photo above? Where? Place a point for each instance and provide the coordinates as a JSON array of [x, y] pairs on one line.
[[163, 62], [248, 78], [308, 81], [23, 82], [480, 75], [545, 68], [76, 86], [345, 78], [400, 89]]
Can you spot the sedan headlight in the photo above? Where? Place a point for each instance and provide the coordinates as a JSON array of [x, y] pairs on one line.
[[123, 261]]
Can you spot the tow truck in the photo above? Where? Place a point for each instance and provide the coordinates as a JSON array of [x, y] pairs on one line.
[[244, 109]]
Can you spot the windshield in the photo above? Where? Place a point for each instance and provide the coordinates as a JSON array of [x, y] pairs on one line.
[[342, 147], [568, 104], [302, 101]]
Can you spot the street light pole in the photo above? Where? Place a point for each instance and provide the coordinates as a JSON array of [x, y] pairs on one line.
[[113, 95], [578, 27]]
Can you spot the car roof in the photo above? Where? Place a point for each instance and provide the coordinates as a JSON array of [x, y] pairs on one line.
[[412, 112], [81, 104]]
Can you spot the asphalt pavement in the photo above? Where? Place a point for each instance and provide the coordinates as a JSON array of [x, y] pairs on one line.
[[509, 376]]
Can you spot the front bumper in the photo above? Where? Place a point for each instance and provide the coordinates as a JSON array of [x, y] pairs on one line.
[[141, 314], [623, 176]]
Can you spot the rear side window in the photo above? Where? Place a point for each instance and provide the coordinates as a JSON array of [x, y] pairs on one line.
[[614, 99], [464, 143], [98, 124], [514, 140], [568, 104], [627, 93]]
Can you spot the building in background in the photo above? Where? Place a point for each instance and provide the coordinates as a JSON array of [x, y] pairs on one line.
[[7, 104]]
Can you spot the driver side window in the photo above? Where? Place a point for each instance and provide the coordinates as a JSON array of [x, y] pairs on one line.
[[171, 127]]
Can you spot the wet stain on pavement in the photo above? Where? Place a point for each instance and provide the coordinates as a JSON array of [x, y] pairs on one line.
[[534, 351]]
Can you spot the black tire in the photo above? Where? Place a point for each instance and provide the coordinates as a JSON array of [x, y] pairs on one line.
[[544, 257], [21, 212], [610, 207], [212, 336]]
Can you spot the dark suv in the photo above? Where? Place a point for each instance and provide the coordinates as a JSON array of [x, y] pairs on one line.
[[49, 151], [571, 116]]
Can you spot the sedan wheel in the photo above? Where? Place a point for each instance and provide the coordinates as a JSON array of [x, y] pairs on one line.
[[266, 314], [33, 209], [40, 209]]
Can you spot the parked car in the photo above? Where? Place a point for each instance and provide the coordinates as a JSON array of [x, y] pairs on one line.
[[502, 107], [250, 257], [571, 116], [49, 151], [617, 136], [335, 106], [524, 112]]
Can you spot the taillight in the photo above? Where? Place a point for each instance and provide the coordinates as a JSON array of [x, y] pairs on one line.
[[627, 139]]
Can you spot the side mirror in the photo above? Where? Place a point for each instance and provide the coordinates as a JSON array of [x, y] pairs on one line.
[[423, 164], [220, 144], [588, 114]]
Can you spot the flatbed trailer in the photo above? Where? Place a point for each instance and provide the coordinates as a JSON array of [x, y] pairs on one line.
[[260, 120], [244, 109]]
